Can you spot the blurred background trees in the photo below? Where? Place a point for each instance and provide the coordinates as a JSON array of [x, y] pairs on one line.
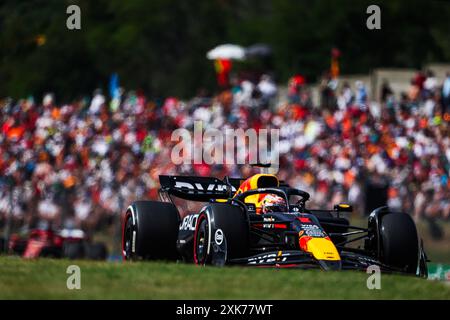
[[159, 46]]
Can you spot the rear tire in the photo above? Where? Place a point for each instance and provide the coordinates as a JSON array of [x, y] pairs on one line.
[[233, 225], [51, 252], [96, 251], [150, 231], [73, 250], [399, 242]]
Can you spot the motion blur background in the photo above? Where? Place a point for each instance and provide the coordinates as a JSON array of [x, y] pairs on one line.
[[86, 115]]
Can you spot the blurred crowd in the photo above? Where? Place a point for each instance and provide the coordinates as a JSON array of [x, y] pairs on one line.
[[85, 161]]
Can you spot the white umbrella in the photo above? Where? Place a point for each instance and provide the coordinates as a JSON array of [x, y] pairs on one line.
[[226, 51]]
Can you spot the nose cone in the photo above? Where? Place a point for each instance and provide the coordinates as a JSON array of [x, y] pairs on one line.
[[320, 248]]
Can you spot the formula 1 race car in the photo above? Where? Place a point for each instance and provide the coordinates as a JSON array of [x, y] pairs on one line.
[[68, 243], [233, 228]]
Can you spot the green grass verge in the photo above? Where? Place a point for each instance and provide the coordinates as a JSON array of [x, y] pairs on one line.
[[46, 279]]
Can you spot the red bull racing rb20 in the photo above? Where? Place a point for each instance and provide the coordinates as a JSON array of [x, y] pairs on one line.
[[263, 222]]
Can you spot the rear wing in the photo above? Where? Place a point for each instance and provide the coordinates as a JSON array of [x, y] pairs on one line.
[[201, 188], [198, 188]]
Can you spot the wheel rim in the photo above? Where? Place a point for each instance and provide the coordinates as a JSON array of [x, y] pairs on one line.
[[202, 242], [128, 234]]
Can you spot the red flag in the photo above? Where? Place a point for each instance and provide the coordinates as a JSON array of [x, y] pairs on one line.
[[223, 68]]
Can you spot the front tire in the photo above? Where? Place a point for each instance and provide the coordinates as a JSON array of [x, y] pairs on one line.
[[399, 242]]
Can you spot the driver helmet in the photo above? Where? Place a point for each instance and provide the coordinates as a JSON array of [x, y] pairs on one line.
[[273, 203]]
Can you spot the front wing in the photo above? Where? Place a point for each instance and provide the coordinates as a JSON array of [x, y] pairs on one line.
[[303, 260]]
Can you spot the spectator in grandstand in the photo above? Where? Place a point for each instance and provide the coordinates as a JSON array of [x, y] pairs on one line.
[[446, 94], [85, 161]]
